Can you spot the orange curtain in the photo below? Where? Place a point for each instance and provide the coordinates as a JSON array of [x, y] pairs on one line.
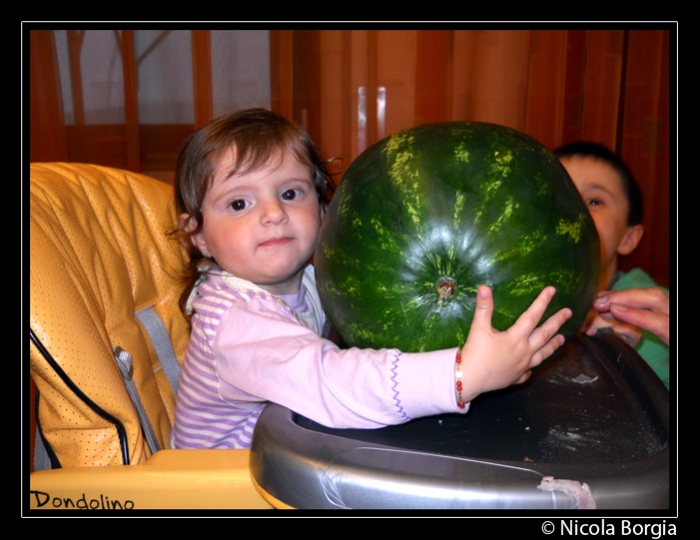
[[350, 88]]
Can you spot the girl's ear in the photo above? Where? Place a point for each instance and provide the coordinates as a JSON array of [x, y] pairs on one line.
[[189, 224], [631, 239]]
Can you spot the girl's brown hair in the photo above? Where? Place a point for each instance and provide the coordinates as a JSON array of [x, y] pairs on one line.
[[257, 136]]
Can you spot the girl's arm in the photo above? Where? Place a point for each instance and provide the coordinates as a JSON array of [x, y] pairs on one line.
[[266, 354], [263, 353]]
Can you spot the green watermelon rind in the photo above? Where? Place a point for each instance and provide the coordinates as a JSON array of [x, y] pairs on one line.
[[379, 257]]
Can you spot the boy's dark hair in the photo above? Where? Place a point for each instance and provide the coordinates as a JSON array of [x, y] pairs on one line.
[[256, 135], [593, 150]]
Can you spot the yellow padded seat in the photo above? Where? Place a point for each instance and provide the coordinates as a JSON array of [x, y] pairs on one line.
[[100, 251]]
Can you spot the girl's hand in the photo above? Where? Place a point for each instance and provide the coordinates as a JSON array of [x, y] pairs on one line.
[[645, 308], [493, 359]]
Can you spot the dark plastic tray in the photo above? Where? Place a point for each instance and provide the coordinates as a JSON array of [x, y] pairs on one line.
[[594, 414]]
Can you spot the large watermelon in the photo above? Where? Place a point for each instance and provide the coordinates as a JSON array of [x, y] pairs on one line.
[[424, 216]]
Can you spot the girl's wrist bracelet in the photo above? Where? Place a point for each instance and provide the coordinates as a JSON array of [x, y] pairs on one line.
[[458, 379]]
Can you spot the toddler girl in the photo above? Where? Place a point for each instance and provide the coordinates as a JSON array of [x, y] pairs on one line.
[[251, 193]]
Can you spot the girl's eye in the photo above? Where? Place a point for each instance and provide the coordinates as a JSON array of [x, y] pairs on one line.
[[594, 202], [290, 194], [238, 205]]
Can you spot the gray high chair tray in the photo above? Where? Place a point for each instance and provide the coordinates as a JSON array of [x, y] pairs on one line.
[[595, 414]]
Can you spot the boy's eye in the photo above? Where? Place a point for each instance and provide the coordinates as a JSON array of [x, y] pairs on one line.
[[238, 205], [290, 194]]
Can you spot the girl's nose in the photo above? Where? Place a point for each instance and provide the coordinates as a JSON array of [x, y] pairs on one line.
[[273, 213]]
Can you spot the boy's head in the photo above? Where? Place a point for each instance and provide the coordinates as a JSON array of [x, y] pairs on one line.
[[612, 196], [257, 136]]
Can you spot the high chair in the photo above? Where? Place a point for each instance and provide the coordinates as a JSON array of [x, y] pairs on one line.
[[107, 338], [106, 341]]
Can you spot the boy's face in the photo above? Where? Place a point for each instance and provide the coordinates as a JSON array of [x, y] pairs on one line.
[[262, 225], [602, 191]]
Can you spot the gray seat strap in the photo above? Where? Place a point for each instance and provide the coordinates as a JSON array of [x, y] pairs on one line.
[[42, 462], [161, 343], [126, 368]]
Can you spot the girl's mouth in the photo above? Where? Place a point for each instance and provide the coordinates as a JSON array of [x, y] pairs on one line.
[[276, 242]]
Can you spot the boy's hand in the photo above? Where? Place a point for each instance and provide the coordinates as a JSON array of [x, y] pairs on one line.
[[645, 308], [629, 333], [493, 359]]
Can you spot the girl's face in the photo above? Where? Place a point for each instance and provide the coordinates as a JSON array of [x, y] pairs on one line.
[[262, 226]]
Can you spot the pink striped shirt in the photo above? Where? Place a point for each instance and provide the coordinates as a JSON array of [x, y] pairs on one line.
[[249, 347]]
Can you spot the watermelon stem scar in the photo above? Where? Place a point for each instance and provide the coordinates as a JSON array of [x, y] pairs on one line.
[[446, 288]]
